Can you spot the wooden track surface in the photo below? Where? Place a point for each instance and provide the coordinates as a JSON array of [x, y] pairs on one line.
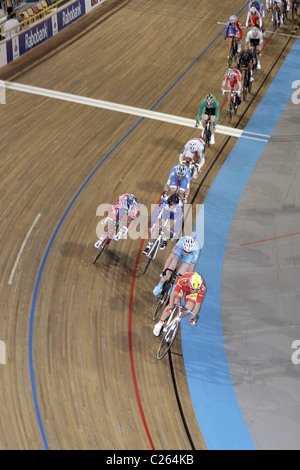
[[95, 382]]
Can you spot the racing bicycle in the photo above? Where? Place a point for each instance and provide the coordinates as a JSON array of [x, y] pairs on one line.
[[233, 105], [233, 51], [166, 290], [115, 232], [151, 255], [247, 84], [295, 6], [170, 329], [207, 132]]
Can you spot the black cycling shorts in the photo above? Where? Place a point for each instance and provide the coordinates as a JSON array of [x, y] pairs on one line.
[[210, 111]]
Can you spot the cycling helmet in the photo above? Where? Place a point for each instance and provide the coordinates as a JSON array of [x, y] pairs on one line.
[[209, 99], [189, 244], [233, 19], [230, 74], [255, 32], [181, 170], [173, 200], [128, 203], [195, 281], [253, 10], [245, 57]]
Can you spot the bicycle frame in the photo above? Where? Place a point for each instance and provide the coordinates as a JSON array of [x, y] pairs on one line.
[[112, 235], [170, 330]]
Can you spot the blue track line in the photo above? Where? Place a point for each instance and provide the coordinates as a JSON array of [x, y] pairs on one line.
[[61, 222]]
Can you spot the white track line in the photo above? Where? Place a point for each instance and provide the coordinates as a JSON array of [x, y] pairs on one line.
[[2, 353], [22, 249], [121, 108]]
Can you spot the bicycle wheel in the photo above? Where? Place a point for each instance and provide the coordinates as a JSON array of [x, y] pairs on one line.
[[105, 244], [152, 256], [229, 112], [167, 341]]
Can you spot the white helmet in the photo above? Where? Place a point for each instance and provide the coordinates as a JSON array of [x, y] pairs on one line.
[[230, 74], [255, 32], [253, 10], [233, 19], [181, 170], [189, 244]]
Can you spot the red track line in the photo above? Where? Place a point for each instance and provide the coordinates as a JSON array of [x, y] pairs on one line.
[[130, 342], [271, 239]]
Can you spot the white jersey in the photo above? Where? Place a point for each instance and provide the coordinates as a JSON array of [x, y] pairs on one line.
[[251, 40], [192, 146]]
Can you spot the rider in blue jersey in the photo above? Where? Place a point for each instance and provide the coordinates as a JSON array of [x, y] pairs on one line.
[[179, 177], [187, 250], [170, 210]]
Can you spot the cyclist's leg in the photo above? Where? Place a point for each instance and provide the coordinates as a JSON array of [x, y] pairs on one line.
[[171, 263], [174, 300], [204, 120]]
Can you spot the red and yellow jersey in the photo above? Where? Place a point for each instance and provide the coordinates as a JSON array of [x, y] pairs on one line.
[[182, 287]]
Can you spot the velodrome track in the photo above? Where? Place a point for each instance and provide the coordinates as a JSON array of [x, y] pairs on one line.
[[81, 369]]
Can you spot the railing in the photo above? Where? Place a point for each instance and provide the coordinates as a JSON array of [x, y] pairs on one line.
[[35, 17]]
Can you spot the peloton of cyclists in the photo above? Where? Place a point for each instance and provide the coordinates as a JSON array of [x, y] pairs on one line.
[[233, 80], [209, 109], [234, 29], [254, 39], [186, 251], [192, 286], [126, 207], [193, 156]]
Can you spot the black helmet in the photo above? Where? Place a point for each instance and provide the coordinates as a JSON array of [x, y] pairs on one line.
[[173, 200], [245, 56]]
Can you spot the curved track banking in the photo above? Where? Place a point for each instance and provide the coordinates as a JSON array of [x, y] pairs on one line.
[[83, 389]]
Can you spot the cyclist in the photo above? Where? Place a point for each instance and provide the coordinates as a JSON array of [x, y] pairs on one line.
[[293, 4], [179, 177], [127, 206], [187, 250], [234, 78], [247, 61], [193, 155], [259, 6], [254, 18], [192, 286], [254, 41], [234, 29], [171, 209], [209, 109], [273, 5]]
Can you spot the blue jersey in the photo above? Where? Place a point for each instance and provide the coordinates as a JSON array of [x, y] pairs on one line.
[[165, 212], [183, 183], [190, 258], [259, 6], [231, 30]]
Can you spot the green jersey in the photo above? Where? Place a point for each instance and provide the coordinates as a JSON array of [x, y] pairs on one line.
[[215, 106]]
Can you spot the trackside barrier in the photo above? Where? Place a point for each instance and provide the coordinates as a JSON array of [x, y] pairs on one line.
[[44, 29]]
